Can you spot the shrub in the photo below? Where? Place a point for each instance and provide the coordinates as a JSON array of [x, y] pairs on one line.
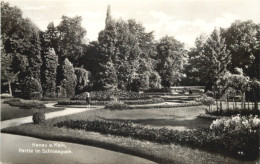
[[205, 100], [242, 144], [35, 96], [69, 79], [117, 105], [28, 104], [30, 86], [38, 118]]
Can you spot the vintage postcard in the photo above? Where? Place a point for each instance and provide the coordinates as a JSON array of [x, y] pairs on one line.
[[130, 81]]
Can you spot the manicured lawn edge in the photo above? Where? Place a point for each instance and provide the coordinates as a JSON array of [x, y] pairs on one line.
[[144, 149]]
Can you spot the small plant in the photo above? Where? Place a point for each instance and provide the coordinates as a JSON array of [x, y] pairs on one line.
[[38, 118], [205, 100]]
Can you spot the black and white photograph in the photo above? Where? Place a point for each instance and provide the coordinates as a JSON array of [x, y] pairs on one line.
[[130, 82]]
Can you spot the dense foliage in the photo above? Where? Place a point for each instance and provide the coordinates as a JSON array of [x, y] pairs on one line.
[[126, 57], [69, 79], [38, 118], [243, 144]]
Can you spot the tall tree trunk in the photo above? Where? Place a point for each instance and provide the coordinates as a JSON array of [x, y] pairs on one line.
[[256, 98], [235, 102], [220, 105], [242, 100], [10, 89], [227, 102]]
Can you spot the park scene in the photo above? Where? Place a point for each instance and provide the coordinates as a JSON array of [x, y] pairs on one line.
[[127, 97]]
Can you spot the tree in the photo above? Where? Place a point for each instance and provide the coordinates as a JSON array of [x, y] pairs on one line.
[[236, 83], [82, 79], [69, 79], [20, 38], [154, 80], [171, 58], [193, 77], [243, 41], [49, 71], [105, 76], [71, 36]]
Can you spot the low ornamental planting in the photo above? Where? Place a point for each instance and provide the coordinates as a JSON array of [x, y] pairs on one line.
[[168, 105], [81, 102], [28, 104], [129, 102], [111, 95], [237, 142], [243, 112]]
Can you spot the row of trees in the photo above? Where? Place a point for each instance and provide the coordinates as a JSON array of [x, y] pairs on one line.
[[124, 56]]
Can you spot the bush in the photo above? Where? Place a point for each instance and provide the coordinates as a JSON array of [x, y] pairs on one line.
[[35, 96], [242, 144], [30, 87], [117, 105], [69, 78], [26, 104], [38, 118]]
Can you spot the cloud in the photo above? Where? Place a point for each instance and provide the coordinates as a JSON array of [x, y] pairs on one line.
[[35, 7], [186, 30]]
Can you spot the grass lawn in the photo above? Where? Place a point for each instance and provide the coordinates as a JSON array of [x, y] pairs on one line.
[[10, 112], [145, 149], [173, 118]]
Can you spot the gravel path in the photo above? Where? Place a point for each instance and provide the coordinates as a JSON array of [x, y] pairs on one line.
[[28, 119]]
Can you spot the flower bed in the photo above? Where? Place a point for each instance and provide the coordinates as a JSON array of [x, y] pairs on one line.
[[129, 102], [243, 112], [168, 105], [25, 104], [237, 143], [111, 95], [117, 105], [81, 102], [140, 102]]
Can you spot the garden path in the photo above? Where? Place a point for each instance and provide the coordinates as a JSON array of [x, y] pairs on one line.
[[28, 119]]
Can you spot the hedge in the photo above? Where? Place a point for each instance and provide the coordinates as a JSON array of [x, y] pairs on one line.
[[227, 143], [25, 104]]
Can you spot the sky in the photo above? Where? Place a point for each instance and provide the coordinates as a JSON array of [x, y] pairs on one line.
[[183, 19]]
